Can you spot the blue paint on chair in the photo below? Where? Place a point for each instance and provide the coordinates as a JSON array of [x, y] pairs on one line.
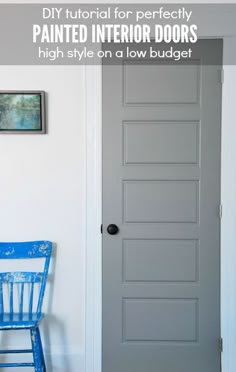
[[29, 308]]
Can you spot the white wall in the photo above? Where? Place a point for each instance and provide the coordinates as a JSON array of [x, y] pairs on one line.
[[42, 196]]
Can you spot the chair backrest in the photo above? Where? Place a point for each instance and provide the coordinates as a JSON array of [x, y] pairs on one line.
[[20, 279]]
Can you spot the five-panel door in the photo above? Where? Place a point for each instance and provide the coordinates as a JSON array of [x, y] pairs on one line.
[[161, 188]]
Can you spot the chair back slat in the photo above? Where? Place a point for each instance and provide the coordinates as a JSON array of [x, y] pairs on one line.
[[11, 298], [21, 303], [31, 298], [17, 280], [1, 299]]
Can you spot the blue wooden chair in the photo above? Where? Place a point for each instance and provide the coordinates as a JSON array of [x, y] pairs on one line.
[[20, 300]]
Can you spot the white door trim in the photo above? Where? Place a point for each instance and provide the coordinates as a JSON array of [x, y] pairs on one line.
[[93, 277]]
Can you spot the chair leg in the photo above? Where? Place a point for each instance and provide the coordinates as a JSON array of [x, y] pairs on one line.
[[41, 349], [36, 351]]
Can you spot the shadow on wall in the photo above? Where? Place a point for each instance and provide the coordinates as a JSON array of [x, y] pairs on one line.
[[51, 322], [62, 358]]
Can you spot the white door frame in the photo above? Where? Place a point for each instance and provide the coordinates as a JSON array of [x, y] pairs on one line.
[[93, 278], [93, 311]]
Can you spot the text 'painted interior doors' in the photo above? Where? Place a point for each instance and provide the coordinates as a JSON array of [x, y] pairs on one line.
[[161, 188]]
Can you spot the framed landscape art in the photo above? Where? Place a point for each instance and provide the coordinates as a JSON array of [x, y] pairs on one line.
[[22, 112]]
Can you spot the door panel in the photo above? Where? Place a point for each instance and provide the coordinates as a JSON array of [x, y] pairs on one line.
[[161, 187], [160, 201], [160, 260], [155, 320], [142, 82], [182, 137]]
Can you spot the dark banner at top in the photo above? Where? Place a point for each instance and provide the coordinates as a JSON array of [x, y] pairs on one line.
[[72, 34]]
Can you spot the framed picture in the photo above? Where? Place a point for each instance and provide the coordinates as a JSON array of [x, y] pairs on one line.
[[22, 112]]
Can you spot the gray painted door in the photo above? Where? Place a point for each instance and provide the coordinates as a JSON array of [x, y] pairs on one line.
[[161, 187]]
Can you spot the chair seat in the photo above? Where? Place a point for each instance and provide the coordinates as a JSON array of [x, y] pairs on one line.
[[19, 321]]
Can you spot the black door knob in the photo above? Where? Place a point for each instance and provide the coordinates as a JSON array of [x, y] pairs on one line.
[[112, 229]]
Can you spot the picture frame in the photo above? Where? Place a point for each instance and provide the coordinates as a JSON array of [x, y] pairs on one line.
[[22, 111]]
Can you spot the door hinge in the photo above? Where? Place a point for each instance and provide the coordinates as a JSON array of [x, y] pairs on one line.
[[101, 229], [220, 211], [222, 76], [221, 345]]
